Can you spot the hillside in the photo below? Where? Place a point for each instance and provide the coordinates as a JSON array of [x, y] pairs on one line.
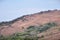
[[45, 25]]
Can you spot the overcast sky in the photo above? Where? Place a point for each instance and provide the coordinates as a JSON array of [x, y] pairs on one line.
[[11, 9]]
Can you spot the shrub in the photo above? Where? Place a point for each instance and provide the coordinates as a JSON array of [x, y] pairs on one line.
[[32, 34]]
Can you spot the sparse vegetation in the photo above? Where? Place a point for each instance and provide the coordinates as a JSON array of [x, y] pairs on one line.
[[19, 36], [13, 21], [30, 33], [4, 23], [42, 28]]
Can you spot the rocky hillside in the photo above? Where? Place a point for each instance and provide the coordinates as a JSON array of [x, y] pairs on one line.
[[45, 24]]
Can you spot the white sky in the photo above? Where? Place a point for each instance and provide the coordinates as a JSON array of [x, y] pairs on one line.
[[11, 9]]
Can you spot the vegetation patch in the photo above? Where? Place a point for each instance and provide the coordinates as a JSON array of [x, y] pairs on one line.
[[30, 33]]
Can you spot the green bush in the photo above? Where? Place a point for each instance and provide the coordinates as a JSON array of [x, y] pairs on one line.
[[47, 26], [30, 33], [41, 28]]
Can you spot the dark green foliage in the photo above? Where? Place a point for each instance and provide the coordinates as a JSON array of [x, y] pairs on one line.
[[30, 33], [4, 23], [18, 37], [42, 28], [47, 26], [2, 38], [31, 27]]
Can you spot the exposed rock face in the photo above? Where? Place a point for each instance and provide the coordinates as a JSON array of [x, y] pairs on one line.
[[21, 23]]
